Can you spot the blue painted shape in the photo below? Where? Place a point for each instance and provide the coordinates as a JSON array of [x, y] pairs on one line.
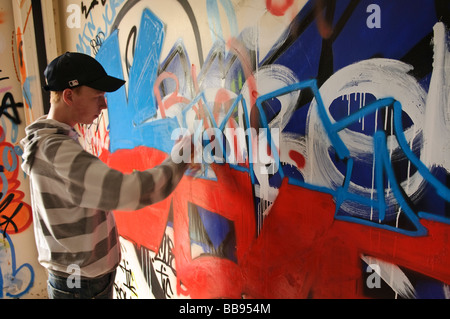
[[383, 164], [216, 226], [144, 71], [214, 233], [157, 134], [128, 113], [429, 288], [15, 271], [122, 134], [177, 63], [434, 217], [215, 25], [26, 91]]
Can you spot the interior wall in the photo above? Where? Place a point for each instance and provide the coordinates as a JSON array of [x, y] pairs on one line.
[[354, 95], [21, 276]]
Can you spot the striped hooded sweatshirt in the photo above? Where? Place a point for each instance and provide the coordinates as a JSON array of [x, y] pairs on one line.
[[73, 194]]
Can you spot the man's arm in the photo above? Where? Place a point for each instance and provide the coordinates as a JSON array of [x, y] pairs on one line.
[[92, 184]]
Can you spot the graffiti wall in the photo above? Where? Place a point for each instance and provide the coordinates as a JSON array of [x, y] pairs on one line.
[[322, 128], [20, 274]]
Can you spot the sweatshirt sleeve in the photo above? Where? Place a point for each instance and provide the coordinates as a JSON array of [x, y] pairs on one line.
[[90, 183]]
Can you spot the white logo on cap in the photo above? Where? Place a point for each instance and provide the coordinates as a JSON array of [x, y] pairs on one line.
[[73, 83]]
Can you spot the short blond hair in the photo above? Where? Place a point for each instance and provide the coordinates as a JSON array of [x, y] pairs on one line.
[[55, 96]]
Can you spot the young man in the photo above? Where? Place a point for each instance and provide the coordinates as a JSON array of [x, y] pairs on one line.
[[73, 192]]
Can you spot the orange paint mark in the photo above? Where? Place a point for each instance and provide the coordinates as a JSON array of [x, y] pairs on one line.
[[15, 215], [324, 28], [278, 7], [26, 21], [22, 67], [173, 99], [22, 2]]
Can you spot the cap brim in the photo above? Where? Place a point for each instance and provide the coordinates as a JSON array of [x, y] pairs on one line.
[[106, 84]]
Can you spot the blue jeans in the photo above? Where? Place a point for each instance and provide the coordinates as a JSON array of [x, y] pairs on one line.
[[59, 287]]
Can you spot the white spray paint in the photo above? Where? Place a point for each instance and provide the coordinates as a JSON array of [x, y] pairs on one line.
[[382, 78], [436, 129], [393, 276]]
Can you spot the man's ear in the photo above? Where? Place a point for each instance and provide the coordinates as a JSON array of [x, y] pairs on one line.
[[67, 96]]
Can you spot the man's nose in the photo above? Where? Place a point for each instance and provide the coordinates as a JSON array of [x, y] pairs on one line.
[[103, 103]]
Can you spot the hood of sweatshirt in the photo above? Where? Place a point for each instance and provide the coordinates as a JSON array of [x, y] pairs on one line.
[[38, 132]]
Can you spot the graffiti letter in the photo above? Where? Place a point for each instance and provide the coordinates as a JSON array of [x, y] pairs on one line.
[[374, 20], [8, 102]]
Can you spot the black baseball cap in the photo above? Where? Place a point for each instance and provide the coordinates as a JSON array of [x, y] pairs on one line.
[[73, 69]]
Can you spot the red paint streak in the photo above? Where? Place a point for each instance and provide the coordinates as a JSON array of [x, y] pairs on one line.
[[231, 197], [301, 251], [429, 255], [298, 158], [278, 7], [284, 261]]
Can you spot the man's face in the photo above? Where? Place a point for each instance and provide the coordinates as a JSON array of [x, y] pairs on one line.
[[88, 103]]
